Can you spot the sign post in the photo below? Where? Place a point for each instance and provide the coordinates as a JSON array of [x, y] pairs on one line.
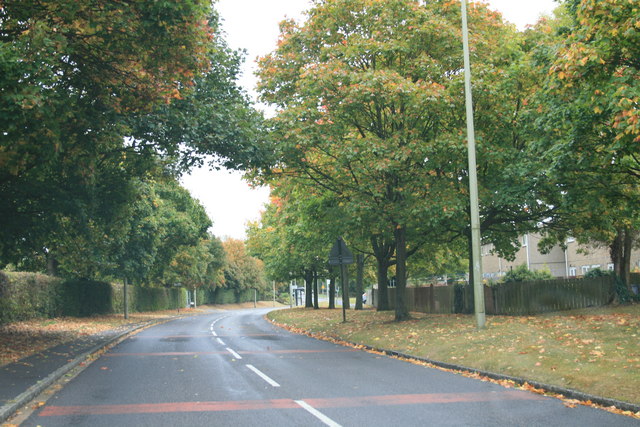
[[341, 255]]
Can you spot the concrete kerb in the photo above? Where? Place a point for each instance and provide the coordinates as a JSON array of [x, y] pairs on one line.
[[22, 399], [566, 392]]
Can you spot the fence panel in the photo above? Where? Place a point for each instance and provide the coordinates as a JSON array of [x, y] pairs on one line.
[[522, 298], [514, 298]]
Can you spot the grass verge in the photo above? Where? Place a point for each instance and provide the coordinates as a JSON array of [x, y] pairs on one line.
[[596, 351]]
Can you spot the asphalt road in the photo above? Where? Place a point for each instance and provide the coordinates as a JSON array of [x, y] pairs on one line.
[[235, 369]]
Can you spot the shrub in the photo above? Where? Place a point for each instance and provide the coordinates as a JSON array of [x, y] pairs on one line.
[[284, 298], [83, 298], [597, 272], [154, 299], [26, 296], [522, 273]]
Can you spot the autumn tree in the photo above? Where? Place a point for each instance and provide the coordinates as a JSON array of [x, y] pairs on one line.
[[94, 95], [589, 124], [198, 266], [242, 271], [371, 107], [295, 235]]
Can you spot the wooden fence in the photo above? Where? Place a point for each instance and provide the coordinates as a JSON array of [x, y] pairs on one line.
[[515, 298]]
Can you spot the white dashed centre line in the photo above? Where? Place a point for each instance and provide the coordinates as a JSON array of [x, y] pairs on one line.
[[220, 341], [234, 354], [319, 415], [263, 376]]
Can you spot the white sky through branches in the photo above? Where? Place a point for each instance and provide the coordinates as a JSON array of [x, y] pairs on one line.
[[252, 25]]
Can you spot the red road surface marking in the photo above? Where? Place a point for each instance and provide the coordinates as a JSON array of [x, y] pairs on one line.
[[246, 405], [202, 336], [202, 353], [417, 399], [166, 353], [151, 408]]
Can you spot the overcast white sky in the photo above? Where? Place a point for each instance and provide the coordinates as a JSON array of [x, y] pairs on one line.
[[253, 25]]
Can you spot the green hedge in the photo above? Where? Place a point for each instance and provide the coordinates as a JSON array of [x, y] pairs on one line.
[[154, 299], [224, 296], [25, 296], [83, 298]]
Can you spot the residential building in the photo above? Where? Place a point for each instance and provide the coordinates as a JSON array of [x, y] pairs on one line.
[[575, 261]]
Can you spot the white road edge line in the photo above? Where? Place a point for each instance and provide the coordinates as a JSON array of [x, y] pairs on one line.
[[220, 341], [263, 376], [319, 415], [234, 354]]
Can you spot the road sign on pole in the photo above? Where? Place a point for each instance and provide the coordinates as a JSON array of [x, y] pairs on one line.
[[341, 255]]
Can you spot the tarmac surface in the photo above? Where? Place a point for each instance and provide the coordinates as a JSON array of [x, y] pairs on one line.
[[23, 380]]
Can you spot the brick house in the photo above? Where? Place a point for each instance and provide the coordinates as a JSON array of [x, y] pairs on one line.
[[575, 261]]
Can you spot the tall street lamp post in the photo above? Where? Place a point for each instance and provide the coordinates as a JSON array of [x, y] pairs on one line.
[[478, 291]]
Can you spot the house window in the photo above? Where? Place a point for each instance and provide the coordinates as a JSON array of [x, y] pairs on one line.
[[610, 266], [585, 268], [595, 266], [572, 271]]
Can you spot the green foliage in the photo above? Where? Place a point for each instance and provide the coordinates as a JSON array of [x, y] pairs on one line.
[[225, 296], [622, 291], [371, 112], [26, 296], [154, 299], [83, 298], [597, 272], [164, 223], [284, 298], [241, 271], [99, 101], [522, 273], [587, 123], [73, 72]]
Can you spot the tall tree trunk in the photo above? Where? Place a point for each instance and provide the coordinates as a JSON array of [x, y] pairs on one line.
[[308, 288], [359, 280], [616, 250], [626, 257], [383, 252], [383, 281], [402, 311], [332, 290], [52, 265], [315, 290]]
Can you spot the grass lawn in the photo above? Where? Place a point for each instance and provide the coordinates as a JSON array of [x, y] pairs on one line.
[[596, 351]]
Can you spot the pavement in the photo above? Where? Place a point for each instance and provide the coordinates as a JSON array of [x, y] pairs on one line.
[[22, 381]]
